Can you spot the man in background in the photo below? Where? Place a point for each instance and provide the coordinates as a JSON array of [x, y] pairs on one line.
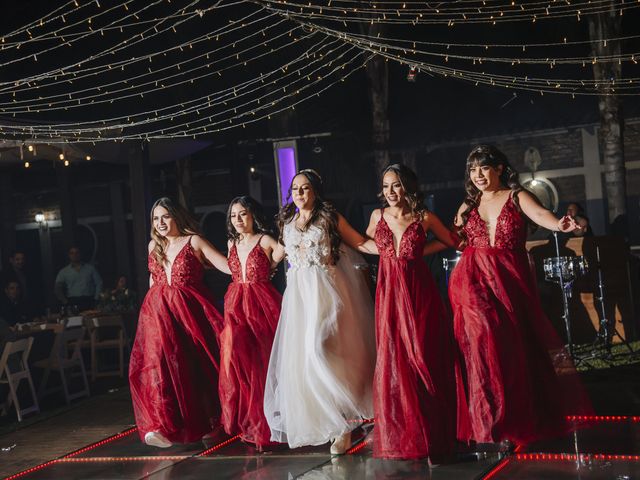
[[78, 284]]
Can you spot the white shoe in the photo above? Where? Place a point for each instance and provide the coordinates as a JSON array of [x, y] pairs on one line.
[[341, 444], [156, 439]]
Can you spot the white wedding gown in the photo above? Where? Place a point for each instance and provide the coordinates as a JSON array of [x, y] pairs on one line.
[[321, 368]]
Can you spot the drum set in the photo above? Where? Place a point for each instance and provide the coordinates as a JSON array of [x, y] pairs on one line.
[[448, 264], [564, 271]]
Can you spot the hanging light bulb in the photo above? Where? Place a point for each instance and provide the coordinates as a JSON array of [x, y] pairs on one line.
[[66, 163], [27, 164], [30, 148], [61, 156], [88, 158]]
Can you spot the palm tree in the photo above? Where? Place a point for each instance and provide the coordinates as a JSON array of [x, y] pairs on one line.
[[607, 75]]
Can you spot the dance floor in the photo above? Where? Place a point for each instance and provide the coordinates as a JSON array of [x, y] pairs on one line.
[[603, 448]]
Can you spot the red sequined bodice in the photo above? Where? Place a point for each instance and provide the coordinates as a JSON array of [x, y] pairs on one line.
[[411, 243], [185, 270], [257, 269], [511, 229]]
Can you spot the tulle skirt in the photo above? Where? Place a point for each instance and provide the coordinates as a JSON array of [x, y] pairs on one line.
[[321, 367], [251, 312], [173, 370], [515, 380], [414, 386]]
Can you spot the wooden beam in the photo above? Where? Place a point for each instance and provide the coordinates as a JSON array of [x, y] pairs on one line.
[[67, 209], [119, 221], [46, 259], [7, 219], [139, 176]]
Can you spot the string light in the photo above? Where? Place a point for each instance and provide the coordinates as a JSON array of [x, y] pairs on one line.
[[187, 107], [124, 44], [49, 104], [59, 77], [180, 132], [305, 53], [430, 16]]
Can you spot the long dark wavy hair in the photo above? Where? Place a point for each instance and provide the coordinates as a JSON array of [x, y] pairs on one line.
[[480, 156], [410, 185], [186, 224], [324, 215], [260, 224]]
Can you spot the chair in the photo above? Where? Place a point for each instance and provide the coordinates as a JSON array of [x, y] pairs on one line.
[[106, 333], [13, 370], [65, 357]]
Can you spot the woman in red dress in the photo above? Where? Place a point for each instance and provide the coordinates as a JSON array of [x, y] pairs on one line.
[[515, 382], [173, 371], [251, 312], [414, 389]]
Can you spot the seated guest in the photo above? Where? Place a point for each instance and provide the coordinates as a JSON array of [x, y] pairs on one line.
[[16, 271], [78, 284], [13, 309], [575, 211], [119, 299]]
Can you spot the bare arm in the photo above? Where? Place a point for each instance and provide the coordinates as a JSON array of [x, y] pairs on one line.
[[210, 254], [434, 246], [458, 222], [543, 217], [373, 223], [354, 239], [431, 222], [273, 249]]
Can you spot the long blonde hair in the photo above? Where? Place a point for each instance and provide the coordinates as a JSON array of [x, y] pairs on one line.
[[186, 224]]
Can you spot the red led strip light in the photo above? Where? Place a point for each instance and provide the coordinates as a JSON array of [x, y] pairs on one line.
[[497, 469], [101, 442], [216, 447], [72, 454], [572, 457], [32, 469], [358, 447], [603, 418]]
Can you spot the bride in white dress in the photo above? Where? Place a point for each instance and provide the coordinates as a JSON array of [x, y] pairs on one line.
[[320, 373]]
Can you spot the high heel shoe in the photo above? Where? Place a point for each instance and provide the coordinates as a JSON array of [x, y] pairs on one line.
[[156, 439], [341, 444]]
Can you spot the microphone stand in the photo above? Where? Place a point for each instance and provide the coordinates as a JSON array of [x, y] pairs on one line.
[[565, 287]]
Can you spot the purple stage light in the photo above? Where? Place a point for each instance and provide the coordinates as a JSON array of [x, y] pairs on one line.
[[286, 167]]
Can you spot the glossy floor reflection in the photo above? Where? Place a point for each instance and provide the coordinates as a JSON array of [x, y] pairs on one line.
[[595, 450]]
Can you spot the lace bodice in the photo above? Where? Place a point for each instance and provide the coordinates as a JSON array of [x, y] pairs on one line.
[[310, 248], [511, 229], [411, 243], [185, 270], [257, 268]]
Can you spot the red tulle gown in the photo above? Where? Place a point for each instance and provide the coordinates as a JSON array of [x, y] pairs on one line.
[[414, 387], [515, 381], [173, 371], [251, 312]]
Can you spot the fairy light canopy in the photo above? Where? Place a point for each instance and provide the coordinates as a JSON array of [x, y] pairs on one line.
[[90, 71]]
